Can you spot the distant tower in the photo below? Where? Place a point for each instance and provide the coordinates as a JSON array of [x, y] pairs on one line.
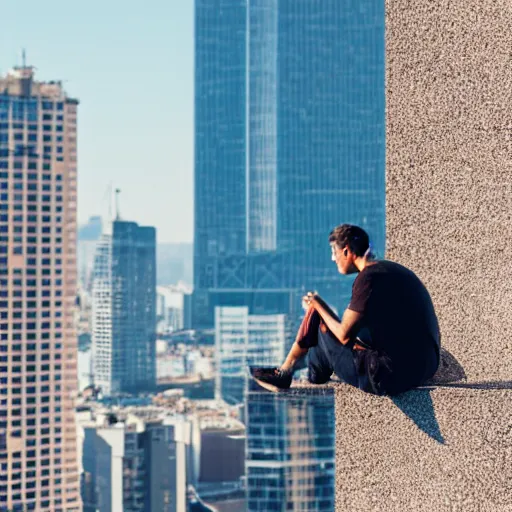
[[124, 309], [38, 346]]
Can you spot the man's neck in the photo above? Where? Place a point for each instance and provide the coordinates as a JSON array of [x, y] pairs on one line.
[[361, 263]]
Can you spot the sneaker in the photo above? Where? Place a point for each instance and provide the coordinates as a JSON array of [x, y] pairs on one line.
[[273, 379]]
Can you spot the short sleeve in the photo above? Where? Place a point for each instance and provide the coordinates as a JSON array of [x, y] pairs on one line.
[[361, 293]]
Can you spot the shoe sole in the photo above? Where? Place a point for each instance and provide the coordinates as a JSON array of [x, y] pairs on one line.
[[270, 387]]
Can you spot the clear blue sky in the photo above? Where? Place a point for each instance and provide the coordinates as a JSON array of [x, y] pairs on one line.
[[131, 65]]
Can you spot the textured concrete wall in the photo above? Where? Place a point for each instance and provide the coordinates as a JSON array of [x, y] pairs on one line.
[[449, 168], [449, 218], [446, 450]]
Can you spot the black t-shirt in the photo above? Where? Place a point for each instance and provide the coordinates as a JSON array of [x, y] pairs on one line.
[[397, 310]]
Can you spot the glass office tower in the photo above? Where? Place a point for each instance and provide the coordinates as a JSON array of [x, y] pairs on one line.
[[290, 450], [289, 142]]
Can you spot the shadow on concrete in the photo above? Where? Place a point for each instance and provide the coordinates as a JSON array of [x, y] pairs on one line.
[[451, 375], [450, 370], [418, 406], [488, 384]]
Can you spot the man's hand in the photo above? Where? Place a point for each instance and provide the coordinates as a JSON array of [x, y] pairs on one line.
[[345, 329], [309, 300]]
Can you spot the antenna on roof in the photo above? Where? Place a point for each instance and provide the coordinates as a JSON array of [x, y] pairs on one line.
[[118, 191], [23, 58]]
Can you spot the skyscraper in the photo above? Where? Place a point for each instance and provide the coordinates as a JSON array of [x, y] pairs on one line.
[[290, 450], [124, 310], [289, 142], [243, 340], [38, 347]]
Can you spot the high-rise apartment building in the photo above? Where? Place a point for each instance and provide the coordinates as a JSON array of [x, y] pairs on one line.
[[124, 310], [289, 142], [38, 347], [243, 340], [290, 450]]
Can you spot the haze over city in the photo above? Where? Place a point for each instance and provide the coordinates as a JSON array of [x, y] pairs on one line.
[[131, 64]]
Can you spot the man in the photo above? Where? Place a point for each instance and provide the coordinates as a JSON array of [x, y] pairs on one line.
[[388, 339]]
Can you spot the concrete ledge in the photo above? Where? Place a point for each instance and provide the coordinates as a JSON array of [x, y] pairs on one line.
[[442, 449]]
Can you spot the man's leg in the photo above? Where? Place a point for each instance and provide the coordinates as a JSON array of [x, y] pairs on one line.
[[305, 339], [339, 357], [295, 358], [328, 356], [319, 366], [281, 378]]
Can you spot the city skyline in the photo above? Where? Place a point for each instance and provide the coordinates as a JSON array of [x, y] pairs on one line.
[[294, 135]]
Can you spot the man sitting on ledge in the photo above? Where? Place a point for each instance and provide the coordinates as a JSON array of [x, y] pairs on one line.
[[388, 339]]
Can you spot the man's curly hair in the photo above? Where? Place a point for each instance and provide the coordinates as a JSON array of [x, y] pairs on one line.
[[353, 237]]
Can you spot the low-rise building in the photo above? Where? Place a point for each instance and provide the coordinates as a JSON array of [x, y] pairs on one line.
[[134, 459], [173, 307]]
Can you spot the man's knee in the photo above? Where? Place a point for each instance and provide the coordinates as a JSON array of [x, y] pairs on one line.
[[316, 376], [319, 367]]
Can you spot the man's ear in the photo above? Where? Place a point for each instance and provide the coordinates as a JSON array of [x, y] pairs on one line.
[[345, 252]]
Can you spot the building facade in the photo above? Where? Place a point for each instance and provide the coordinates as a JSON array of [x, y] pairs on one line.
[[289, 142], [38, 344], [124, 310], [290, 450], [243, 340]]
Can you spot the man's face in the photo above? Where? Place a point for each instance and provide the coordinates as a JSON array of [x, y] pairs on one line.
[[341, 260]]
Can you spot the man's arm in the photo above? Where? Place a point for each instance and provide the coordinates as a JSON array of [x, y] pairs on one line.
[[344, 330]]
